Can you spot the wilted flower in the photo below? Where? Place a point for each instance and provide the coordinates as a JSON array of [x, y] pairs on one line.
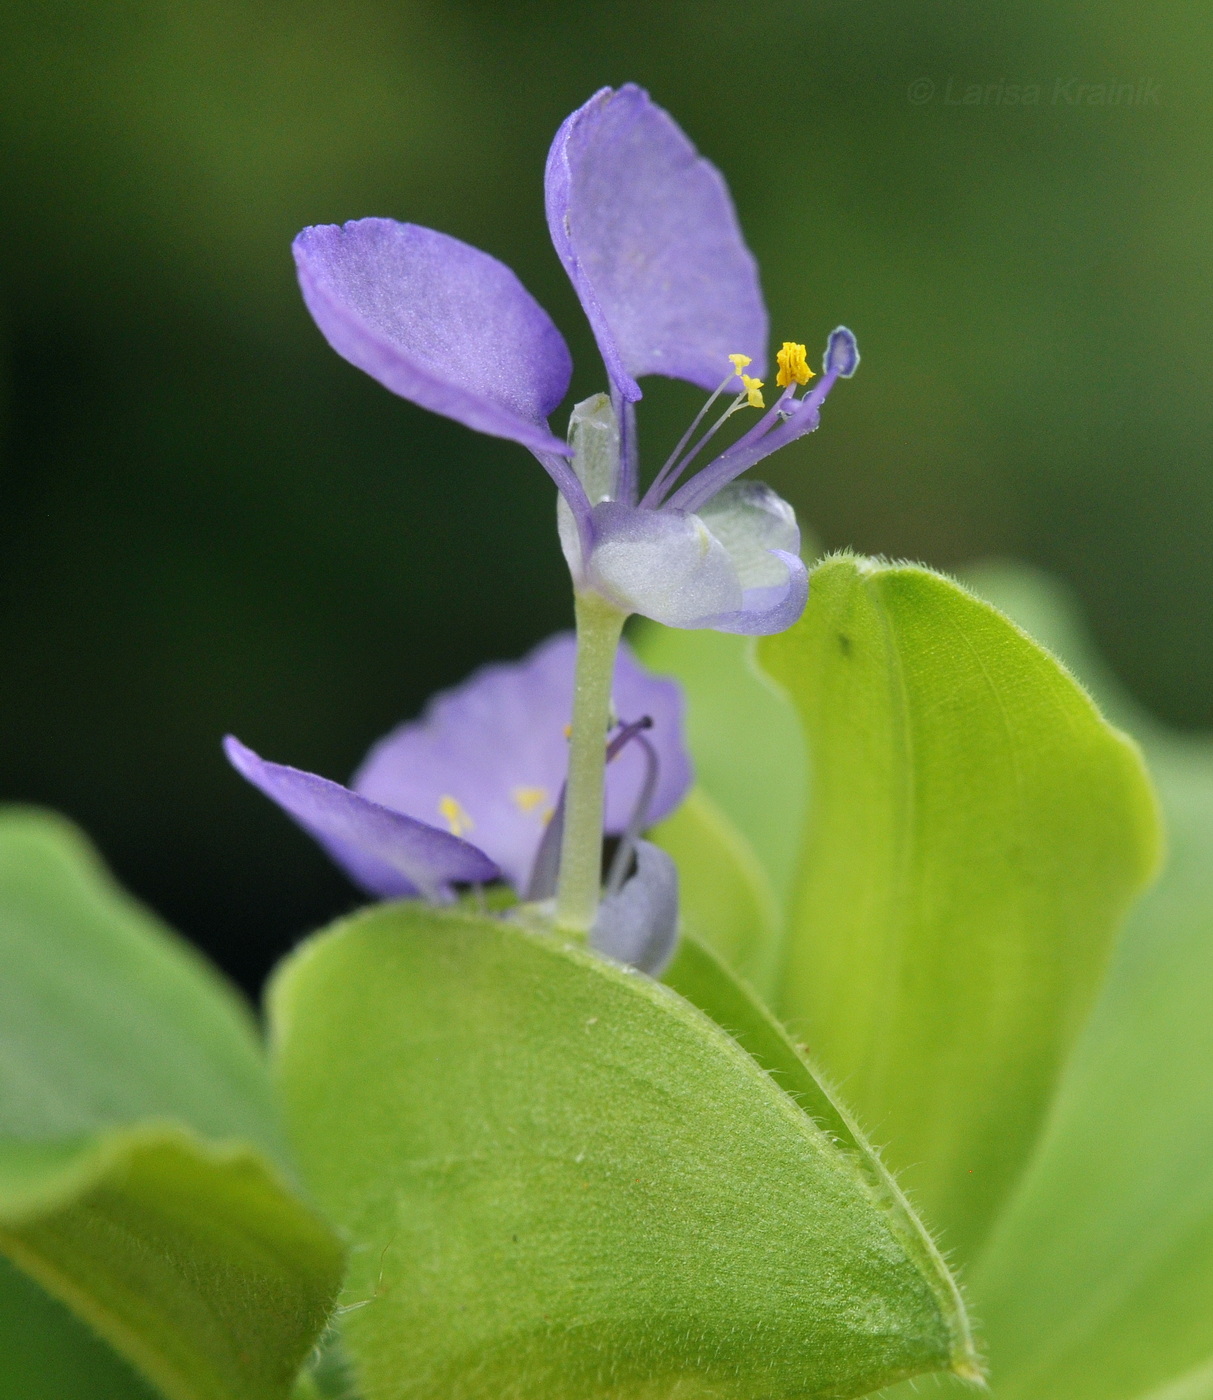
[[646, 230], [467, 794]]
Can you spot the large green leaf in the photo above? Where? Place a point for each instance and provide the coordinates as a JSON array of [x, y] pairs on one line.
[[141, 1164], [1098, 1283], [976, 834], [560, 1178]]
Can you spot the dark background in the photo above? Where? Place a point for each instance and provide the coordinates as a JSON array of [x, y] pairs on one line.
[[209, 522]]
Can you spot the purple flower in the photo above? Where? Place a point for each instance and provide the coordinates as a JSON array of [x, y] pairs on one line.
[[647, 233], [467, 793]]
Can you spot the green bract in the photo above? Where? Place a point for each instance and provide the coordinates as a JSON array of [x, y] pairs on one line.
[[975, 833], [1098, 1281], [142, 1176], [560, 1179], [1095, 1278]]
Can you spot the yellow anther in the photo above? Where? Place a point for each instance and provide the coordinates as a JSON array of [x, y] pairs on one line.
[[739, 362], [526, 799], [792, 365], [456, 818], [753, 391]]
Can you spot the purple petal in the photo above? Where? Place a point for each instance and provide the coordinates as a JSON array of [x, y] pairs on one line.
[[497, 746], [639, 925], [648, 234], [388, 854], [438, 322]]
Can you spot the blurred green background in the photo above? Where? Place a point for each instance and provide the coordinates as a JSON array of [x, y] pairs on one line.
[[209, 522]]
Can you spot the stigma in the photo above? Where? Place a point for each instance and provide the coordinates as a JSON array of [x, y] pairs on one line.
[[793, 366]]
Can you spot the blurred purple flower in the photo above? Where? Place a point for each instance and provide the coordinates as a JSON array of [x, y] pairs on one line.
[[648, 235], [465, 794]]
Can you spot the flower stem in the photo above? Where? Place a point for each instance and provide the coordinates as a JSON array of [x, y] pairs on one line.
[[599, 625]]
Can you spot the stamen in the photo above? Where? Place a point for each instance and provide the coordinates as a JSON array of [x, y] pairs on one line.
[[675, 464], [793, 367], [653, 495], [542, 884], [672, 476], [842, 353], [636, 823], [751, 386], [626, 734], [456, 817], [788, 419], [526, 799], [753, 389]]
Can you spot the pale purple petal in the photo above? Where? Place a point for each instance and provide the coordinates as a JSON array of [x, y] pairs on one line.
[[438, 322], [756, 526], [497, 746], [648, 234], [765, 611], [662, 564], [388, 854], [639, 925], [672, 567]]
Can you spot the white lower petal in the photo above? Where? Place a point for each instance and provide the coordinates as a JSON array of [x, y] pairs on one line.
[[750, 521], [639, 925], [663, 564]]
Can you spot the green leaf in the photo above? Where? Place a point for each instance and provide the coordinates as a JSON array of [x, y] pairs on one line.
[[1194, 1385], [106, 1016], [699, 975], [977, 832], [141, 1165], [330, 1373], [726, 898], [1098, 1284], [193, 1261], [744, 737], [559, 1178], [49, 1354]]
